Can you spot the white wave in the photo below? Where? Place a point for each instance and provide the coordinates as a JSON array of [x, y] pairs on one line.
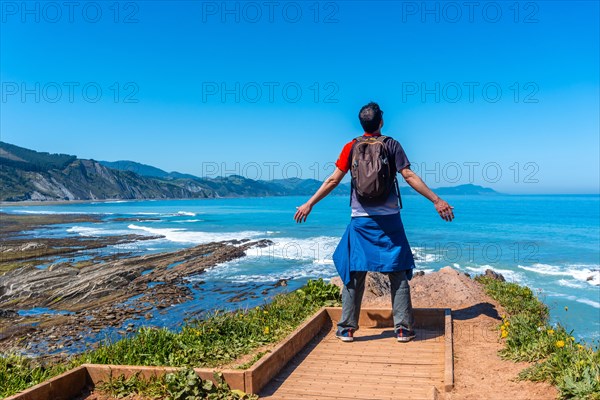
[[581, 272], [566, 296], [242, 271], [509, 274], [187, 213], [426, 270], [317, 249], [456, 265], [188, 221], [146, 213], [592, 303], [179, 235], [94, 231], [130, 246], [571, 284], [420, 255]]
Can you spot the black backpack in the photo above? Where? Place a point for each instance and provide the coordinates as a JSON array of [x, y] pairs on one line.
[[373, 173]]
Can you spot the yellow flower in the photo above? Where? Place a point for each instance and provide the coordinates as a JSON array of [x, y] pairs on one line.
[[504, 334], [566, 308], [550, 331], [560, 343], [267, 330], [265, 312], [507, 323], [572, 338], [579, 346]]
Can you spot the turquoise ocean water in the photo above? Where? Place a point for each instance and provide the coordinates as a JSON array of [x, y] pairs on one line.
[[550, 243]]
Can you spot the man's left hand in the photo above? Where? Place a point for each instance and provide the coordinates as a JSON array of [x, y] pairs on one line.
[[302, 212]]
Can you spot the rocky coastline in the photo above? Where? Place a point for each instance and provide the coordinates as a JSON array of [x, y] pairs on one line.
[[85, 298]]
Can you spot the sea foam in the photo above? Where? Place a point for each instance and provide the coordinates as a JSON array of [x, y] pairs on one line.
[[95, 231], [180, 235], [579, 272]]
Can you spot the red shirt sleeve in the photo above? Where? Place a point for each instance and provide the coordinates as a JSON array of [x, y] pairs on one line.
[[343, 162]]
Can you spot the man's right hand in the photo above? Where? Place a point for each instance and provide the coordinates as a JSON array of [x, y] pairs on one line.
[[444, 209]]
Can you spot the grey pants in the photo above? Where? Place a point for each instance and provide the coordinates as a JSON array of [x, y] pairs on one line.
[[352, 295]]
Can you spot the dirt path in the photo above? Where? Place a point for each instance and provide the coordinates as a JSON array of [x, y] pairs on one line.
[[479, 373]]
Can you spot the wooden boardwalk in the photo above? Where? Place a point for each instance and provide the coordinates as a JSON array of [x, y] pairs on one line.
[[374, 366], [311, 363]]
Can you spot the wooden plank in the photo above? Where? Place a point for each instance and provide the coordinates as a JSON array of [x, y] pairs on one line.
[[356, 388], [449, 354], [307, 375], [62, 387], [437, 373], [383, 351], [101, 373], [326, 396], [376, 360], [379, 386], [385, 345], [318, 394], [267, 367]]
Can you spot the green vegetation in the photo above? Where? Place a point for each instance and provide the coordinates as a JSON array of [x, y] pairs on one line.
[[559, 359], [31, 160], [18, 373], [217, 340], [220, 338], [182, 385]]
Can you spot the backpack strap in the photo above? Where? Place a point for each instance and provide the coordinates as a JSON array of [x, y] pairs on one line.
[[398, 191], [383, 139]]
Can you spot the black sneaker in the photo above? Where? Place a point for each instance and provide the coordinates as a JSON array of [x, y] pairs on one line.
[[404, 335], [346, 335]]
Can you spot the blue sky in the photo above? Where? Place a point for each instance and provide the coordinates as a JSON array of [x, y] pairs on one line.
[[501, 94]]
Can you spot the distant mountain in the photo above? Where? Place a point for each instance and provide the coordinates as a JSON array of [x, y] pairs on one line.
[[468, 189], [463, 190], [224, 186], [145, 170], [31, 175]]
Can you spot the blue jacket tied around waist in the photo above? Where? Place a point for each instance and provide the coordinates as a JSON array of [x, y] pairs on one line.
[[374, 243]]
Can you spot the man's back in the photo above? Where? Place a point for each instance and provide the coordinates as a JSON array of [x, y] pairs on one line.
[[389, 205]]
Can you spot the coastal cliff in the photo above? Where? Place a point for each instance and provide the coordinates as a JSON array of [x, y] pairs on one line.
[[29, 175]]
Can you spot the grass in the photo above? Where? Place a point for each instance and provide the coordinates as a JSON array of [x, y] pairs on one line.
[[182, 385], [216, 340], [18, 373], [573, 367]]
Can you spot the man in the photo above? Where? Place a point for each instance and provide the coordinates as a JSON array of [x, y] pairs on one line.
[[375, 239]]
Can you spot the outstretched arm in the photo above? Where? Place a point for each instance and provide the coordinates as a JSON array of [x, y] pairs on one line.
[[441, 206], [328, 185]]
